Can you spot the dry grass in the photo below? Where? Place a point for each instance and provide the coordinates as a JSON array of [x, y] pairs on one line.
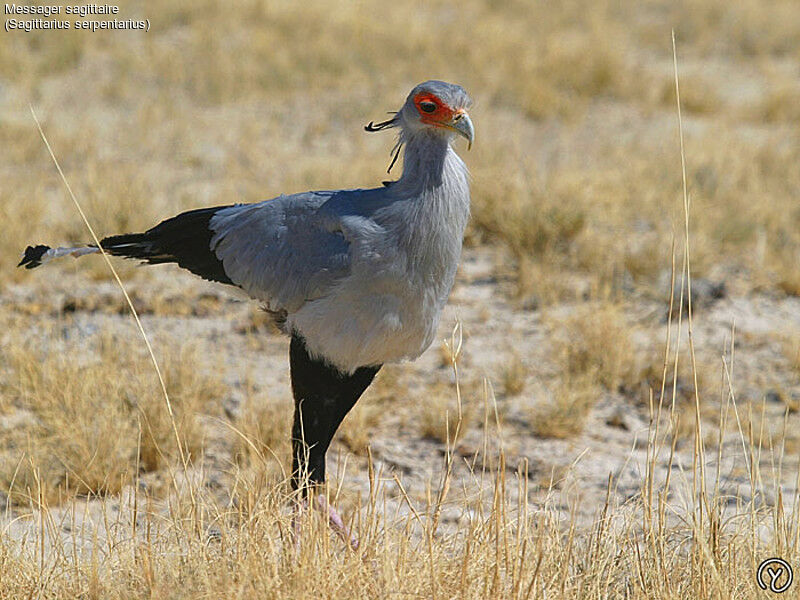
[[442, 417], [633, 549], [596, 340], [564, 414], [90, 418], [513, 377], [262, 434], [356, 430], [575, 176]]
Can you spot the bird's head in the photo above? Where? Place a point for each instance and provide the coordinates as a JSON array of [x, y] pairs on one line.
[[436, 107]]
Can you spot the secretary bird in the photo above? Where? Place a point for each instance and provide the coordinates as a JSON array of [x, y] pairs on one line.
[[357, 278]]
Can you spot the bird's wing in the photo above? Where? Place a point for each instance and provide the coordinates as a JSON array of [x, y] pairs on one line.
[[285, 251]]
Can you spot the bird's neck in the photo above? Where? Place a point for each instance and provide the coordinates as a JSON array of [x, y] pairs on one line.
[[429, 163]]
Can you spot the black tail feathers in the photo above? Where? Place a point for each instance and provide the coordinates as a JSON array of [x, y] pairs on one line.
[[33, 256], [184, 239]]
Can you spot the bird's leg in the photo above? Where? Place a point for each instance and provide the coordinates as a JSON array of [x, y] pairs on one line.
[[323, 396], [308, 471], [335, 521]]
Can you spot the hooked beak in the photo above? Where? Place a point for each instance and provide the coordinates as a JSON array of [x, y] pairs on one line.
[[462, 125]]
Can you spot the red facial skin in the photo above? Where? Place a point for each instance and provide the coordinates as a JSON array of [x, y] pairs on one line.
[[441, 117]]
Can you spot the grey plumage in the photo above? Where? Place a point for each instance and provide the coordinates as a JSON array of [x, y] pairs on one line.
[[362, 275], [281, 251]]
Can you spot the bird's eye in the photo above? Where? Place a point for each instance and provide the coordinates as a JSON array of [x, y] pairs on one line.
[[427, 107]]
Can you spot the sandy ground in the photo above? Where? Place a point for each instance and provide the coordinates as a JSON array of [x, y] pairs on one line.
[[570, 475]]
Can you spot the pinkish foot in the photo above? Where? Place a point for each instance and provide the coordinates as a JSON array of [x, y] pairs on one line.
[[334, 521]]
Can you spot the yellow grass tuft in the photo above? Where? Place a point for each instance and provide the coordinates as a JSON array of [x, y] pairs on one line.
[[441, 417], [262, 433], [596, 341], [514, 375], [89, 418], [564, 414]]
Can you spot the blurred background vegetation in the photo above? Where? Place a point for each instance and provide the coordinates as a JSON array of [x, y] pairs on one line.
[[576, 170]]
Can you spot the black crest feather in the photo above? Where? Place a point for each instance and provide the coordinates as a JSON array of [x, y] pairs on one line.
[[388, 124]]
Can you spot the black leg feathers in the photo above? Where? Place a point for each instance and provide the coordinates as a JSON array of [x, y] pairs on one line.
[[33, 256], [323, 396]]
